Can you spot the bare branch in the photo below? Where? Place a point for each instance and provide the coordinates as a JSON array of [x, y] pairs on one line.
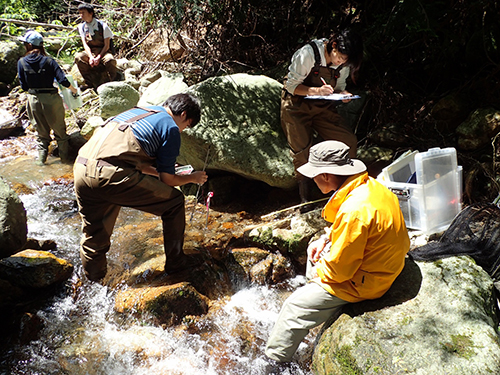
[[29, 23]]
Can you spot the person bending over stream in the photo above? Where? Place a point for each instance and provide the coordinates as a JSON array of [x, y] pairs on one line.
[[130, 162]]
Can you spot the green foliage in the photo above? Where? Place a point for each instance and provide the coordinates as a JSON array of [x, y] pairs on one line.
[[249, 33], [15, 9], [33, 10]]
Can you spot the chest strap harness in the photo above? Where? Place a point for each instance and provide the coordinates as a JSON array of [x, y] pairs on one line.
[[122, 126], [317, 61]]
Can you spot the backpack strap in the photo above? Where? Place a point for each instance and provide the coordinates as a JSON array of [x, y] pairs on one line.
[[111, 43], [149, 112], [317, 57], [28, 69], [317, 62]]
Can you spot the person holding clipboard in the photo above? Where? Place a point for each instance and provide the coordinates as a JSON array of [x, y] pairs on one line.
[[320, 68]]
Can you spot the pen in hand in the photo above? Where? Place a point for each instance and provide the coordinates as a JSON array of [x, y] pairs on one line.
[[322, 80]]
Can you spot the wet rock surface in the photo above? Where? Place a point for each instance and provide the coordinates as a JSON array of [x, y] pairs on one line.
[[13, 223], [437, 318], [166, 304], [34, 269]]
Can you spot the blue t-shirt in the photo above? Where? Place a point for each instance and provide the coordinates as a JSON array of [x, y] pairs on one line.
[[158, 136]]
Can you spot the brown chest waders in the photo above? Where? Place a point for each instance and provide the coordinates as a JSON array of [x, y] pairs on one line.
[[300, 117], [107, 177]]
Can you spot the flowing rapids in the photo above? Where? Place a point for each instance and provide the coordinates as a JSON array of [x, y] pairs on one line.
[[83, 335]]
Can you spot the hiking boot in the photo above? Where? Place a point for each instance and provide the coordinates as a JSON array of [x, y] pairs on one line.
[[187, 262]]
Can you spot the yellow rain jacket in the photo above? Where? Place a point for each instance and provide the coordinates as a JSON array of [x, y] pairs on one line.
[[369, 240]]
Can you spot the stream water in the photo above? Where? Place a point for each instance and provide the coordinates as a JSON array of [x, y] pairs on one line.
[[83, 335]]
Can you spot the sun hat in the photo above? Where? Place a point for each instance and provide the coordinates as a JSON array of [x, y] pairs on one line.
[[331, 157], [32, 37]]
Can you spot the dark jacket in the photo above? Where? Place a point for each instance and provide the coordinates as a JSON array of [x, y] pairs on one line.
[[37, 71]]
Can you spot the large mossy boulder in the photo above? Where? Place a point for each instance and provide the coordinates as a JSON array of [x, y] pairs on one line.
[[116, 97], [437, 318], [10, 52], [157, 92], [240, 130], [13, 222]]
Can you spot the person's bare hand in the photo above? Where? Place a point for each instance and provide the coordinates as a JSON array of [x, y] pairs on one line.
[[325, 90], [315, 249], [199, 177], [346, 93]]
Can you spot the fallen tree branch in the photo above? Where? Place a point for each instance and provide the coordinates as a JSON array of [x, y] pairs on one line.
[[272, 214], [49, 25], [30, 23]]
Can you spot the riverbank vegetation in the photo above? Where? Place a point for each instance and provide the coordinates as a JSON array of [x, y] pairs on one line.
[[427, 64]]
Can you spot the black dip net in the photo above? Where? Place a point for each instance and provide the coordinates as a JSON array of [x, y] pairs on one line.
[[474, 232]]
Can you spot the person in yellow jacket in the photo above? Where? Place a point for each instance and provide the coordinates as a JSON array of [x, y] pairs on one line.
[[358, 258]]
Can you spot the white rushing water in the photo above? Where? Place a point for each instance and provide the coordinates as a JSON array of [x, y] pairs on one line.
[[83, 335]]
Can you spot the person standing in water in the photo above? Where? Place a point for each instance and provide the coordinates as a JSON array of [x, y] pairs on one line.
[[130, 162], [37, 72]]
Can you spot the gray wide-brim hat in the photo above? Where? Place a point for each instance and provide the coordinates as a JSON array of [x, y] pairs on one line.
[[331, 157]]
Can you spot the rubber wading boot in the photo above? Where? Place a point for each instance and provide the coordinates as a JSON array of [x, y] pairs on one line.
[[177, 261], [63, 147], [42, 156]]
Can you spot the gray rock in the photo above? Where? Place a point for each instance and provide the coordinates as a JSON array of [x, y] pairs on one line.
[[77, 76], [373, 154], [90, 125], [34, 269], [167, 304], [157, 92], [240, 126], [289, 236], [258, 266], [116, 97], [478, 130], [438, 318], [148, 79], [10, 52], [9, 124], [131, 69], [13, 223]]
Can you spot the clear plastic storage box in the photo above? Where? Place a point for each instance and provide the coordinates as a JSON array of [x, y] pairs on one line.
[[428, 186]]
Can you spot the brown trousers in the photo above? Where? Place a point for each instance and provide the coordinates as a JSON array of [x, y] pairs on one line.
[[300, 117], [93, 75], [101, 190]]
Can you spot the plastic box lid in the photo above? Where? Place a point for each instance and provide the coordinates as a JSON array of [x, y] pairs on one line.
[[432, 199], [401, 169]]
